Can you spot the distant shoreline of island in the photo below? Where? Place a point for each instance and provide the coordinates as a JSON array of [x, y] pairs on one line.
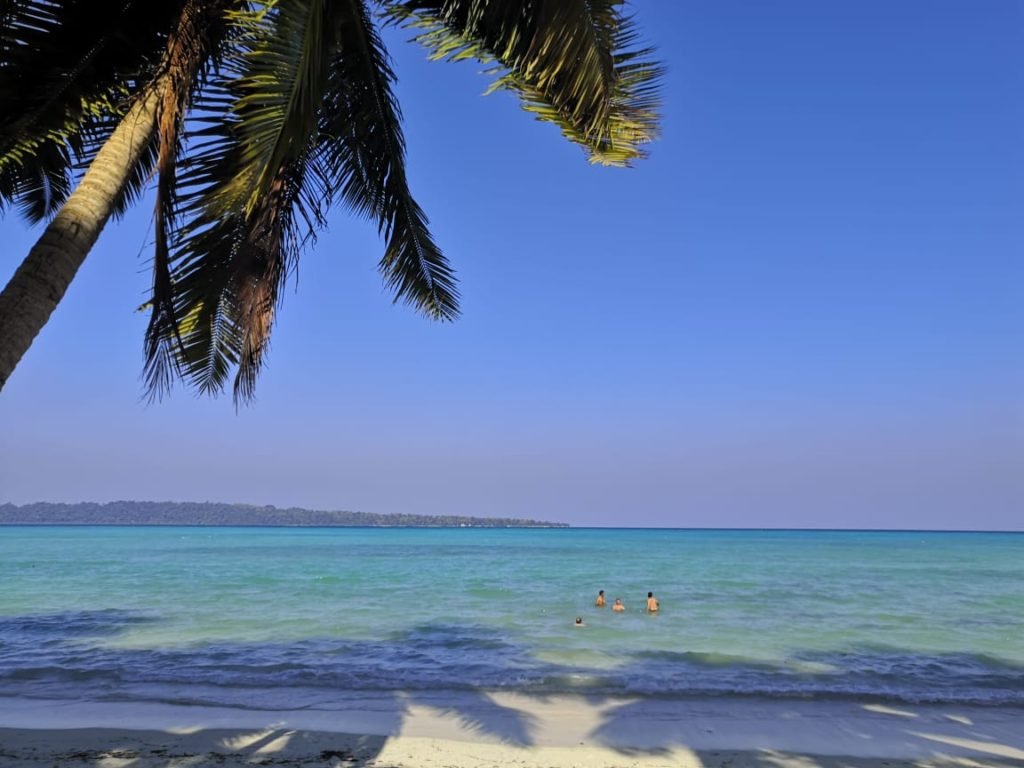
[[214, 514]]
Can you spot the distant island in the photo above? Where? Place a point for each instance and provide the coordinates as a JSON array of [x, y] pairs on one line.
[[213, 513]]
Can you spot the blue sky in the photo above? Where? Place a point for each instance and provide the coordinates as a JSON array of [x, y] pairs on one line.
[[805, 309]]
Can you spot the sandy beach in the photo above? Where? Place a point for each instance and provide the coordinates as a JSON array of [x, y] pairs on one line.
[[453, 730]]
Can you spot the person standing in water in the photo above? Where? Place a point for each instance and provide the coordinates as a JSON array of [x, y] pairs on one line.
[[618, 607], [652, 604], [600, 599]]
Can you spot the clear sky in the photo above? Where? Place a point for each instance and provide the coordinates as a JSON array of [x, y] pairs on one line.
[[805, 309]]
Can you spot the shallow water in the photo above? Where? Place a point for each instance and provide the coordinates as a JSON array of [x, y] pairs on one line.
[[208, 614]]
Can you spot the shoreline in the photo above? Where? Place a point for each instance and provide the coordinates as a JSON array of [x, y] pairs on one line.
[[455, 730]]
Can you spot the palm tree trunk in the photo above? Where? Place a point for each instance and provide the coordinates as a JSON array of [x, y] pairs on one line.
[[40, 282]]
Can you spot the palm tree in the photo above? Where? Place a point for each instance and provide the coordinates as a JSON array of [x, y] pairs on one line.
[[84, 83], [298, 115]]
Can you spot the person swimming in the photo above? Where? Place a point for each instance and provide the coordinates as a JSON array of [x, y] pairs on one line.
[[618, 607], [652, 604], [579, 622], [600, 599]]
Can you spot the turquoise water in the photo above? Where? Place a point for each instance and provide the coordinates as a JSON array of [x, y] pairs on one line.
[[208, 614]]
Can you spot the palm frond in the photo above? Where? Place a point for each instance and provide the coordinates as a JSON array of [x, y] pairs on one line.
[[575, 63], [67, 70], [366, 160], [244, 196], [305, 113], [194, 43], [40, 187]]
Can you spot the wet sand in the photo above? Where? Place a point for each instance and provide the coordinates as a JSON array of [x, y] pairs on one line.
[[459, 731]]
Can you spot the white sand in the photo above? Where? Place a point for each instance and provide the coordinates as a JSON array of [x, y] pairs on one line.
[[478, 730]]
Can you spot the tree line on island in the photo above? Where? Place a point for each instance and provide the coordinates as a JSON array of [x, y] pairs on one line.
[[218, 514]]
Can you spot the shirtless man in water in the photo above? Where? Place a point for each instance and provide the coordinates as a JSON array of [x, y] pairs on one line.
[[618, 607], [652, 604], [600, 599]]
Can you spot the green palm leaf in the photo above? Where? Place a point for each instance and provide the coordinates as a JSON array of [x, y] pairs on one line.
[[196, 43], [243, 196], [574, 63], [304, 113], [365, 155], [67, 72]]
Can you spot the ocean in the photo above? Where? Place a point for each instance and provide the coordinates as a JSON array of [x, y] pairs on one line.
[[288, 617]]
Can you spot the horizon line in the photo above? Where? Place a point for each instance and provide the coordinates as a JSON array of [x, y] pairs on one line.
[[548, 526]]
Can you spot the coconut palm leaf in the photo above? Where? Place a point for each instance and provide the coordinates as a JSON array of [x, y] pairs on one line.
[[196, 43], [67, 70], [365, 155], [309, 112], [38, 187], [242, 197], [575, 63]]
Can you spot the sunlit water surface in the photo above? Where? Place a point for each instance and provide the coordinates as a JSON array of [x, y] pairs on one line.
[[207, 615]]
